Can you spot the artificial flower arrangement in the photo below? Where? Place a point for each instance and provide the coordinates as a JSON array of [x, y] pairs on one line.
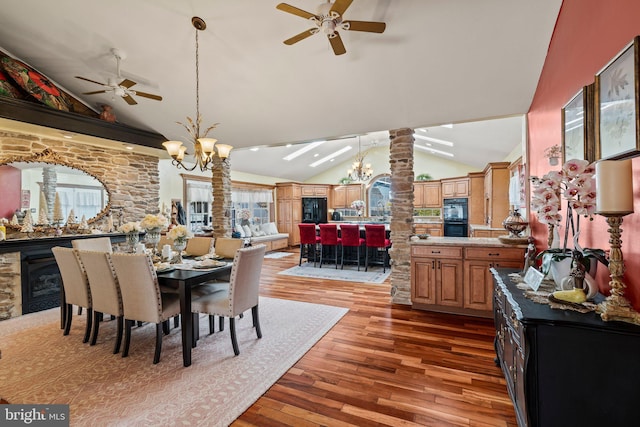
[[358, 205], [153, 221], [130, 227], [575, 182], [179, 232]]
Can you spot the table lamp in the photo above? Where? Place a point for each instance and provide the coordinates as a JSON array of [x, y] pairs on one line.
[[614, 199]]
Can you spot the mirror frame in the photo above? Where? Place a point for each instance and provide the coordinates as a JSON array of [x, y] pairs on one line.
[[50, 157]]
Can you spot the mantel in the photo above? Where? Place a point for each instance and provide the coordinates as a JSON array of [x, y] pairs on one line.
[[30, 112]]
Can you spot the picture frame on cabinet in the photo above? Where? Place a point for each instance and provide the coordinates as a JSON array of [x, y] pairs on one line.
[[617, 99], [577, 126]]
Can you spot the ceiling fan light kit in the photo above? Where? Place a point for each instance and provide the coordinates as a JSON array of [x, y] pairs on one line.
[[328, 19]]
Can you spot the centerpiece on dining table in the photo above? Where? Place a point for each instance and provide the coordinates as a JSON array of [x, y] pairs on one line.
[[179, 234], [132, 231], [576, 184], [153, 225]]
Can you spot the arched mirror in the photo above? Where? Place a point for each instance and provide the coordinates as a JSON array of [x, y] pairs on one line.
[[379, 197], [29, 183]]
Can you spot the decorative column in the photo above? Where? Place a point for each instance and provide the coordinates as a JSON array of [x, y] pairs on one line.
[[221, 206], [49, 183], [401, 163]]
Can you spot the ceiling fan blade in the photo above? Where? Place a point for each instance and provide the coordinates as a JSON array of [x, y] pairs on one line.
[[368, 26], [94, 92], [295, 11], [91, 81], [340, 6], [149, 95], [303, 35], [337, 45], [129, 100], [127, 83]]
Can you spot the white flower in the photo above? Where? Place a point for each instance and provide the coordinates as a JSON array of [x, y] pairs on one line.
[[153, 221], [130, 227], [357, 204], [179, 232]]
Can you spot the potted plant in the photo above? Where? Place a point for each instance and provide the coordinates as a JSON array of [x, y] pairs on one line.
[[424, 177]]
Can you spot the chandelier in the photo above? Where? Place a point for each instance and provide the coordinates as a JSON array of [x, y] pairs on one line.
[[205, 148], [359, 170]]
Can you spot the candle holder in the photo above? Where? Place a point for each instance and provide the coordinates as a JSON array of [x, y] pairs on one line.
[[616, 306]]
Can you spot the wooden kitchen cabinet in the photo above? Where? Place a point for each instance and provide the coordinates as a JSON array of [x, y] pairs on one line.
[[427, 194], [496, 193], [432, 229], [344, 195], [289, 208], [315, 190], [455, 188], [437, 275]]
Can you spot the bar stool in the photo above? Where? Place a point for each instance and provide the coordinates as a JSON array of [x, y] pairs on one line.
[[350, 235], [376, 240], [329, 239], [309, 242]]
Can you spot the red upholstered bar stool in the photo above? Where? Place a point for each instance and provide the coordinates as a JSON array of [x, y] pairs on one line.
[[350, 235], [329, 240], [309, 242], [376, 241]]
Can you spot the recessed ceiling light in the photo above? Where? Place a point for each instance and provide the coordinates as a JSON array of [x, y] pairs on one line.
[[66, 135], [436, 140], [254, 149], [330, 156], [316, 155], [129, 147], [448, 125], [303, 150], [433, 150]]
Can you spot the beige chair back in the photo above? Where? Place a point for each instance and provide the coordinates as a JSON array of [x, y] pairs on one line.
[[100, 244], [105, 290], [141, 299], [74, 278], [198, 246], [164, 240], [226, 247], [244, 286]]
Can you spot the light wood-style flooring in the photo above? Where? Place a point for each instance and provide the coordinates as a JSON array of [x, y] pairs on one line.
[[383, 364]]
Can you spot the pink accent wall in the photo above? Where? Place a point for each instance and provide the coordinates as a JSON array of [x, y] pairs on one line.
[[10, 185], [588, 34]]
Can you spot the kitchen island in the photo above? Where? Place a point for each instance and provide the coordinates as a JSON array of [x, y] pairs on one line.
[[451, 274]]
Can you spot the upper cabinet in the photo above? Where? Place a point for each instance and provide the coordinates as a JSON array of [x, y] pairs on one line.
[[458, 187], [344, 195], [496, 193], [427, 194], [315, 190]]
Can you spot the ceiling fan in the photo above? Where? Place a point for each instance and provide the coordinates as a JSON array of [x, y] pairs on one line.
[[122, 89], [328, 19]]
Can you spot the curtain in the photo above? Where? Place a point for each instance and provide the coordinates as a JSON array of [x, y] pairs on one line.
[[252, 196], [199, 192]]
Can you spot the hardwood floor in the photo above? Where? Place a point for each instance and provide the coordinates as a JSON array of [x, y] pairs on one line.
[[383, 364]]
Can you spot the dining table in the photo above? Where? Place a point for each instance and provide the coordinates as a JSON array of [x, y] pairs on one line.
[[184, 280]]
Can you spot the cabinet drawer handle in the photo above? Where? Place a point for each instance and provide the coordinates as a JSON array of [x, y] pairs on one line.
[[433, 265], [435, 252], [494, 254]]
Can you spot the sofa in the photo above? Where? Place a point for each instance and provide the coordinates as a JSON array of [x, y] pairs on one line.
[[266, 234]]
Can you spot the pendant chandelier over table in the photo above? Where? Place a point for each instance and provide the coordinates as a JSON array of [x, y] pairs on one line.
[[359, 170], [205, 148]]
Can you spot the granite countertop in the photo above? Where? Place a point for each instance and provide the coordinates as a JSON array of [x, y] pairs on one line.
[[464, 241], [486, 227], [426, 220]]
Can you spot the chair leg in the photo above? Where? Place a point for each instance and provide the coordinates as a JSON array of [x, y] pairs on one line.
[[234, 340], [342, 260], [321, 254], [221, 323], [196, 329], [120, 326], [256, 320], [156, 356], [366, 258], [128, 324], [67, 319], [87, 331], [176, 321], [358, 252], [212, 324], [79, 311], [335, 258], [96, 326], [166, 329]]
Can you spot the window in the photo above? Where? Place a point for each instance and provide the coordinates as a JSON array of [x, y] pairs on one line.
[[199, 198], [251, 207]]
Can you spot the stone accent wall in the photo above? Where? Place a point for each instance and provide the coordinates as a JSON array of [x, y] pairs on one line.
[[221, 206], [10, 287], [401, 162]]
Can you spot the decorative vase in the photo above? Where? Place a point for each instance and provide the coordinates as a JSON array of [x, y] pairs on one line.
[[153, 237], [179, 245], [559, 270], [132, 240]]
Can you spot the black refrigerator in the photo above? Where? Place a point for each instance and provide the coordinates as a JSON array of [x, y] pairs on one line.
[[314, 210]]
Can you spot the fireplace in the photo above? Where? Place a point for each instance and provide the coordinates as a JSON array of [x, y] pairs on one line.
[[41, 281]]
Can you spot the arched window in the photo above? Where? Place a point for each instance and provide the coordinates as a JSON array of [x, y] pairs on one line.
[[379, 196]]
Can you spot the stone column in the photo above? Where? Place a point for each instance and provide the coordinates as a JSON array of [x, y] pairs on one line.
[[49, 183], [221, 206], [401, 163]]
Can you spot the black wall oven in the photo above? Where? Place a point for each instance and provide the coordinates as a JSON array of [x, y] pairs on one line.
[[456, 217]]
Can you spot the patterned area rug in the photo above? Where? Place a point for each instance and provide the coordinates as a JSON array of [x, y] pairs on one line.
[[277, 255], [329, 272], [39, 365]]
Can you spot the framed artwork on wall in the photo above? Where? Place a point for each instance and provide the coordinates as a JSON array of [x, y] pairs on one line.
[[617, 100], [577, 126]]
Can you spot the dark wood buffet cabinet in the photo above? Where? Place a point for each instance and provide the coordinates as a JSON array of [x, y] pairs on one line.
[[565, 368]]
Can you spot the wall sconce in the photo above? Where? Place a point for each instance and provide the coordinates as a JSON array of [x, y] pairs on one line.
[[613, 205], [553, 153]]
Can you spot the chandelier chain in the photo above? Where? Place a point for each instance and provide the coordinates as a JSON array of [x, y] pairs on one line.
[[197, 85]]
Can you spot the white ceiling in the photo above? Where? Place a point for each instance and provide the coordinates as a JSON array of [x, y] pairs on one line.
[[439, 61]]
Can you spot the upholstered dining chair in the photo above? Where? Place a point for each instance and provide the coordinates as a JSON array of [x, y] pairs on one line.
[[101, 244], [76, 287], [199, 245], [142, 300], [309, 242], [226, 247], [105, 292], [329, 241], [376, 242], [350, 235], [243, 292]]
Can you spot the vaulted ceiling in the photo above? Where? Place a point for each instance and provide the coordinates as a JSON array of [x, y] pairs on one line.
[[438, 61]]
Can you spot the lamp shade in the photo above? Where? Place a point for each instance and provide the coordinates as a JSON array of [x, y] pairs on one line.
[[614, 187], [172, 147], [207, 145], [224, 150]]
